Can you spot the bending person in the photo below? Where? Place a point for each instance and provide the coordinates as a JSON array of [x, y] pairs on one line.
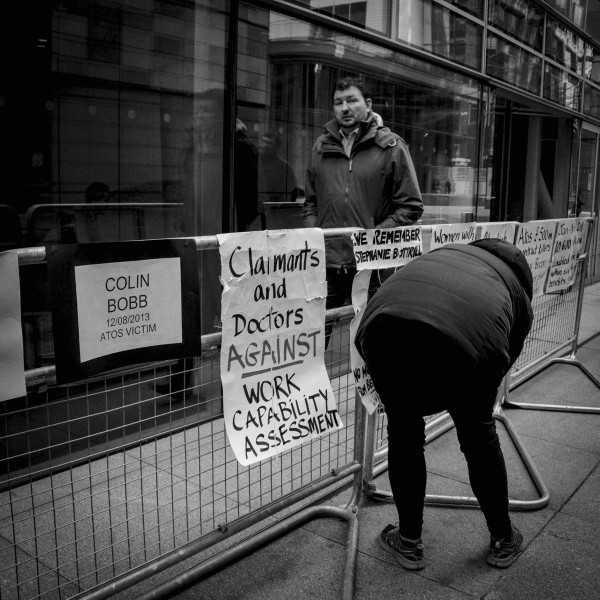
[[440, 334]]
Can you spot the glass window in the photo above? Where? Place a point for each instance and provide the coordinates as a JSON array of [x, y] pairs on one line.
[[571, 9], [521, 20], [591, 101], [475, 7], [591, 18], [439, 30], [128, 100], [561, 87], [436, 111], [592, 63], [563, 46], [513, 64], [373, 15]]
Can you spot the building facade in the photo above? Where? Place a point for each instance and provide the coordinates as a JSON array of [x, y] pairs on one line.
[[197, 117]]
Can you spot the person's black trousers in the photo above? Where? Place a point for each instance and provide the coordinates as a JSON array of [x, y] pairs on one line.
[[416, 373]]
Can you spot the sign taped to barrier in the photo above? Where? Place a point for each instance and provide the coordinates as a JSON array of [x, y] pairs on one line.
[[12, 367], [569, 239], [276, 392], [499, 231], [536, 240], [386, 248], [362, 379], [452, 233], [119, 304]]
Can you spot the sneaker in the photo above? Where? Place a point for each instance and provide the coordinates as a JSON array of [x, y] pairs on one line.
[[502, 554], [408, 553]]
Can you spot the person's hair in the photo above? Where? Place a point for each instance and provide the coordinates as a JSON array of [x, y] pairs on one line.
[[96, 192], [346, 82]]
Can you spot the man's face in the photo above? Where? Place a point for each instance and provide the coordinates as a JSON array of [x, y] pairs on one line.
[[350, 108]]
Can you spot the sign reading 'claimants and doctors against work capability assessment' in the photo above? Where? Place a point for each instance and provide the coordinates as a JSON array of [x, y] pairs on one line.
[[276, 392]]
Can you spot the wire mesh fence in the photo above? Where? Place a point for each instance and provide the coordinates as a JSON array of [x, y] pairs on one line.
[[100, 477]]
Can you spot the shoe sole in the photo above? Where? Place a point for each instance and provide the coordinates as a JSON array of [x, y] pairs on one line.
[[503, 563], [411, 565]]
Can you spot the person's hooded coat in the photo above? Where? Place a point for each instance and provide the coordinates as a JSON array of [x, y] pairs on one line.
[[375, 187], [477, 295]]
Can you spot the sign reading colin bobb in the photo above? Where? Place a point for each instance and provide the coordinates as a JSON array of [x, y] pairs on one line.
[[118, 304], [128, 305], [276, 392]]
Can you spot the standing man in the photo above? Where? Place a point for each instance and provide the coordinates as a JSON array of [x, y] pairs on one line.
[[440, 334], [361, 175]]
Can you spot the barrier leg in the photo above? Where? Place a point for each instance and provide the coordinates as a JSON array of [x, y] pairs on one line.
[[437, 427], [571, 360]]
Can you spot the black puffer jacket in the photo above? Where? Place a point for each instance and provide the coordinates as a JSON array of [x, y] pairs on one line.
[[478, 295]]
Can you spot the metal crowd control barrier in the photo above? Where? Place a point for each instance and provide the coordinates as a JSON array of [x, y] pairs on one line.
[[555, 328], [107, 482]]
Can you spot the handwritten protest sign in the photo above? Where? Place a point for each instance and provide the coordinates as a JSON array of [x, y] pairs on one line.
[[376, 249], [386, 248], [567, 247], [276, 392], [536, 240], [452, 233], [362, 379], [12, 368], [499, 231]]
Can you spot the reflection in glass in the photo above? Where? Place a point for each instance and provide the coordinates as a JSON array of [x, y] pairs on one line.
[[441, 31], [513, 64], [591, 101], [561, 87], [436, 111], [519, 19], [563, 46]]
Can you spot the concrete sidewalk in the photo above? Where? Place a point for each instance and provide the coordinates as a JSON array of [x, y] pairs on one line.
[[562, 540]]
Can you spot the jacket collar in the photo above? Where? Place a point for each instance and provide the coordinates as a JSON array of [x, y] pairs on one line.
[[367, 130]]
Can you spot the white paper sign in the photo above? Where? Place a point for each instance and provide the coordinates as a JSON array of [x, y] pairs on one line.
[[128, 305], [386, 248], [12, 368], [535, 239], [567, 247], [499, 231], [362, 379], [276, 392], [452, 233]]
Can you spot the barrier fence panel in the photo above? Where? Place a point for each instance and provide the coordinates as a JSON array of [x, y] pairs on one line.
[[554, 331], [107, 482]]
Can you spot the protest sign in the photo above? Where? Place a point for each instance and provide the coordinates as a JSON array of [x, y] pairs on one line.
[[386, 248], [499, 231], [376, 249], [120, 304], [276, 392], [452, 233], [567, 247], [536, 240], [362, 379], [12, 368]]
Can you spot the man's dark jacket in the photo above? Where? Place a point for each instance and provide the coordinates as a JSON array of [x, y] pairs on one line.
[[478, 295], [375, 187]]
